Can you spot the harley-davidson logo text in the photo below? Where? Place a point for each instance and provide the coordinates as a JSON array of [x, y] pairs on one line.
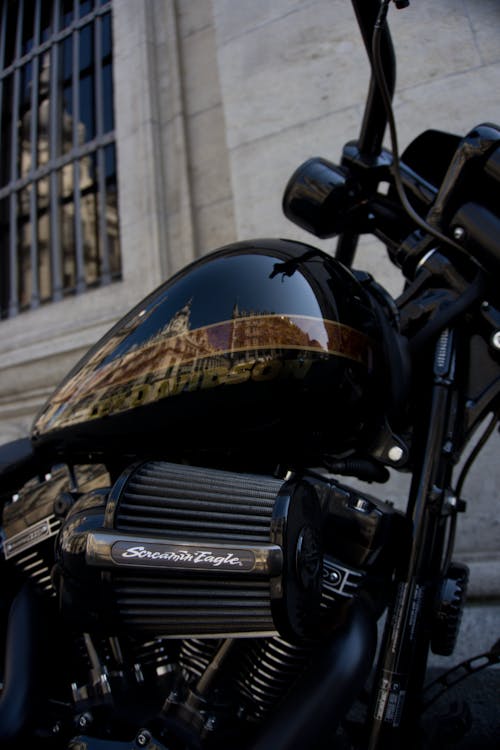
[[168, 555]]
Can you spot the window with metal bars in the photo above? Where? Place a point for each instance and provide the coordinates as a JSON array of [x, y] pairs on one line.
[[58, 178]]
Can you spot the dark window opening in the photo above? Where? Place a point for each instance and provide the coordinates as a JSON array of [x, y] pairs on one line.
[[58, 179]]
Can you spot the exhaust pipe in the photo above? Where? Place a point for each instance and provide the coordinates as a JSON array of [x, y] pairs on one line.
[[22, 660]]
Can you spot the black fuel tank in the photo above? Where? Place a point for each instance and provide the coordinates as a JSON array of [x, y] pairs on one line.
[[263, 350]]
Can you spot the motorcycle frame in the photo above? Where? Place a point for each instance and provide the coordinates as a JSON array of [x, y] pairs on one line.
[[400, 672], [374, 123]]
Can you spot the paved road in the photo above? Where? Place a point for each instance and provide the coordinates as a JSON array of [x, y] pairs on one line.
[[480, 694], [480, 691]]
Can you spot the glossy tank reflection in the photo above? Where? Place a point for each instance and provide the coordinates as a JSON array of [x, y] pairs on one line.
[[230, 354]]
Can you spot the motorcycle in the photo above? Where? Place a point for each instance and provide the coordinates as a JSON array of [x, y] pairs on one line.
[[188, 560]]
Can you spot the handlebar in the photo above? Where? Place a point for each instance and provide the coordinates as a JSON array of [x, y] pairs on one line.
[[374, 119]]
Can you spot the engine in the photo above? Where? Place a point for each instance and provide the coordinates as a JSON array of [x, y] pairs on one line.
[[185, 551], [186, 593]]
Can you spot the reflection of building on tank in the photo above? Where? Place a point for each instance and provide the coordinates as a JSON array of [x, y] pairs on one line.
[[145, 363], [253, 333], [178, 355], [88, 374], [180, 322]]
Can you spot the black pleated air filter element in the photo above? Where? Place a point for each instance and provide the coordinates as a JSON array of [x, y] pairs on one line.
[[196, 503], [203, 552]]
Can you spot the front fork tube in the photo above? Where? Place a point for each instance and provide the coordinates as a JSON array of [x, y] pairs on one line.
[[402, 663]]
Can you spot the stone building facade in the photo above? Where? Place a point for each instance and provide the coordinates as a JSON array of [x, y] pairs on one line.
[[216, 102]]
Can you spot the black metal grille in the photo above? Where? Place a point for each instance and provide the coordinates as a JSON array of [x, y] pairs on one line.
[[58, 186]]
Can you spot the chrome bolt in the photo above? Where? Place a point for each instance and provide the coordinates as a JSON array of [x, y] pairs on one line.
[[143, 738], [450, 501], [459, 233], [210, 723], [362, 505], [395, 453], [84, 721], [334, 577], [495, 340]]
